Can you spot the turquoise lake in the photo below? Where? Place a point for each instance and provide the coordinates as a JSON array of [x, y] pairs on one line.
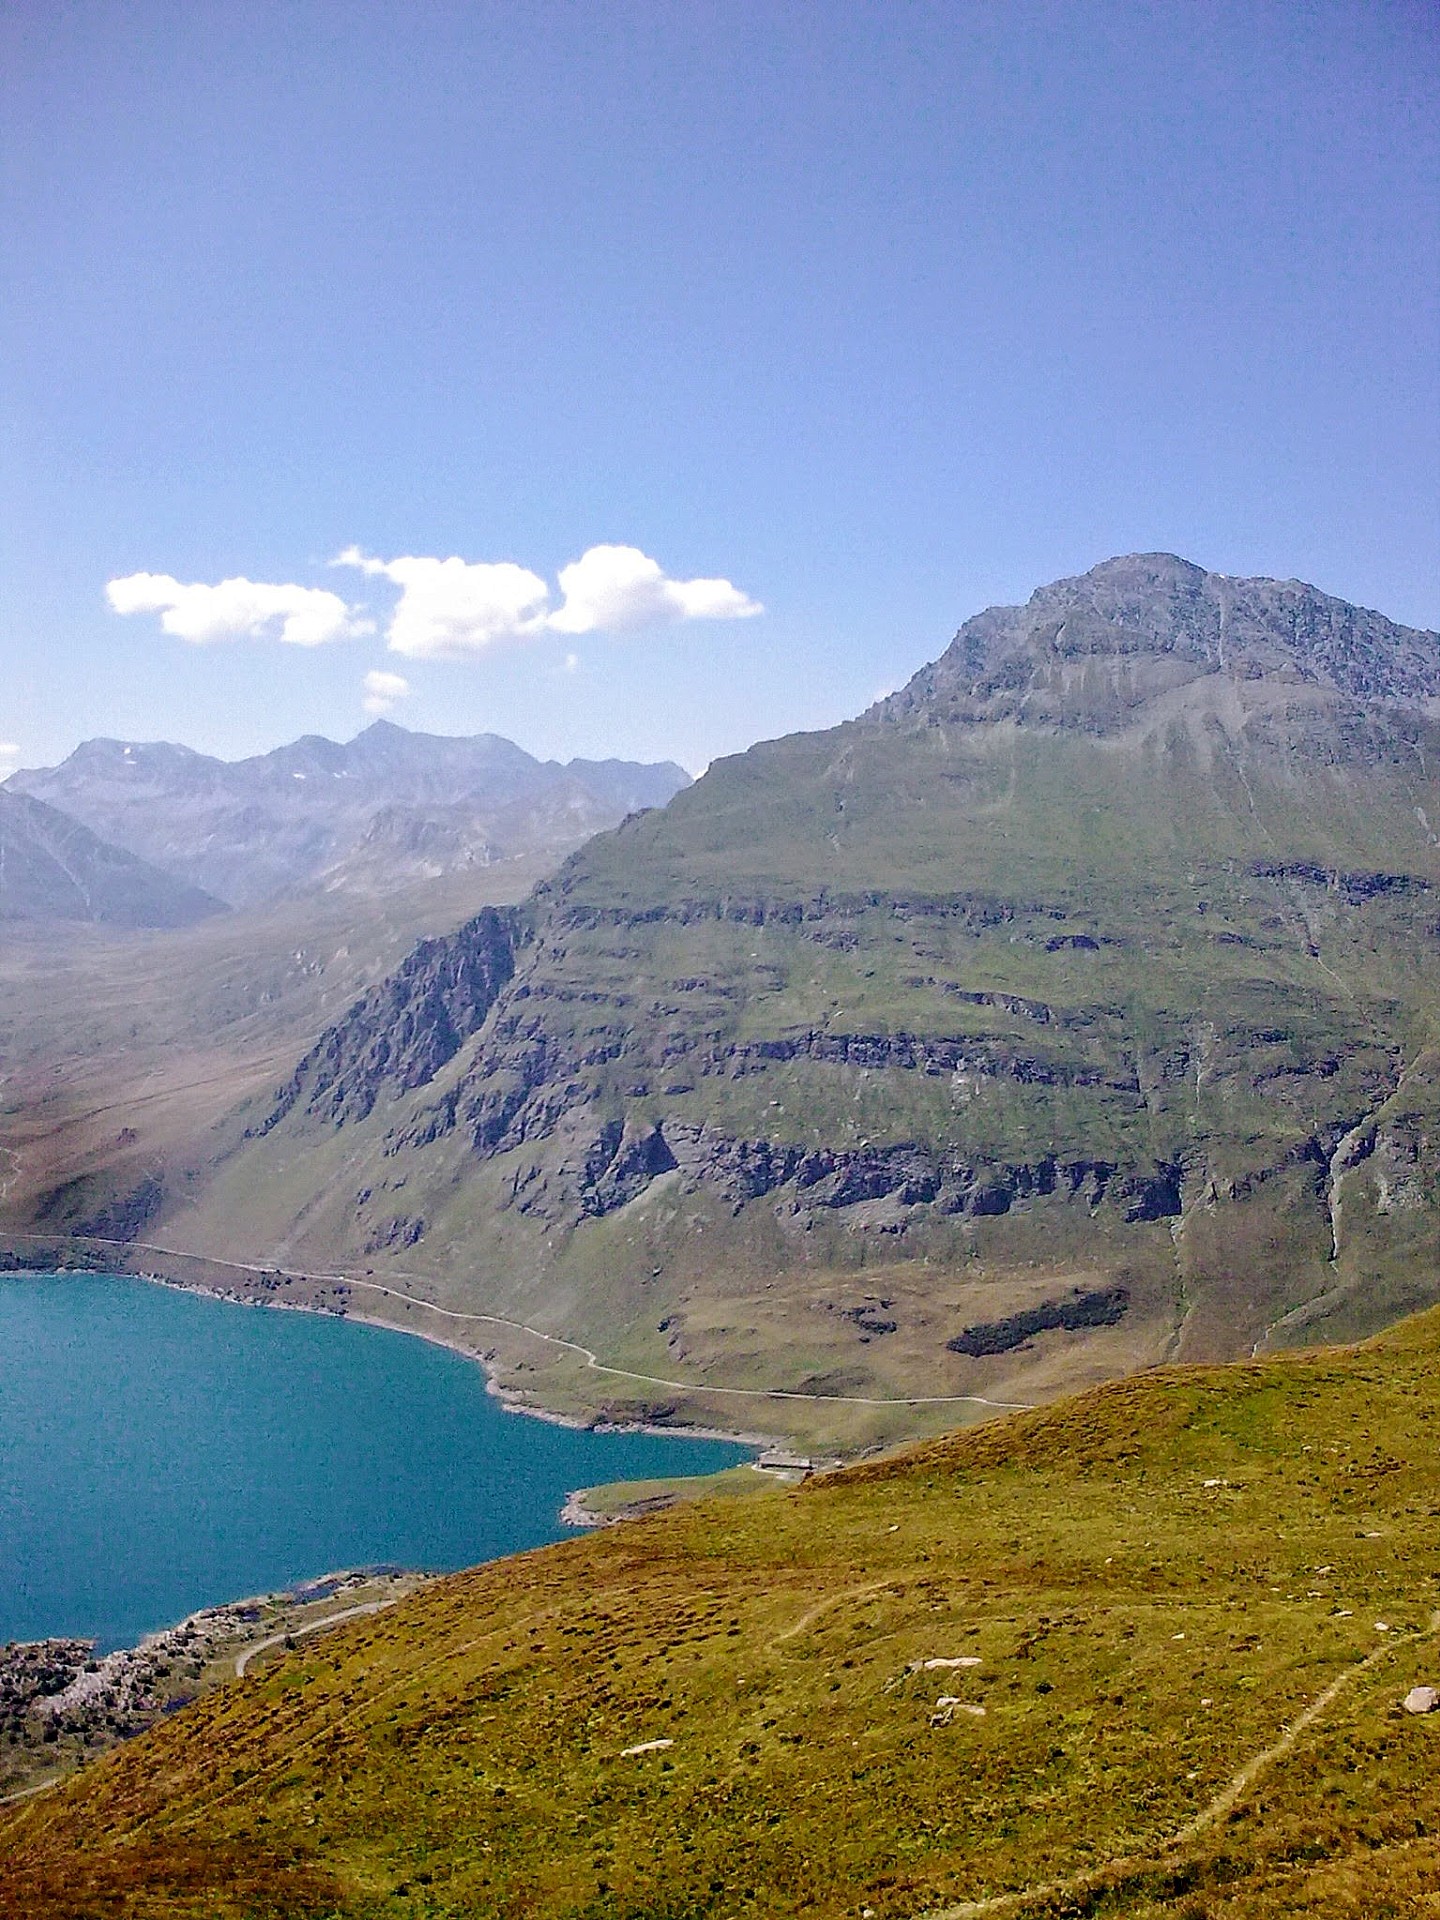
[[160, 1452]]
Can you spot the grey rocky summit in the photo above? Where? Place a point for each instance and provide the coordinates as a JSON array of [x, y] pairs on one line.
[[1136, 625]]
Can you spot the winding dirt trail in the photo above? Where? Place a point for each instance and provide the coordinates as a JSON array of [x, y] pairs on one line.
[[1001, 1906], [690, 1386], [812, 1614], [29, 1793], [242, 1660]]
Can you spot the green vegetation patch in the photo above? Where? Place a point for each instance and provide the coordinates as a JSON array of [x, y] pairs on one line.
[[630, 1499]]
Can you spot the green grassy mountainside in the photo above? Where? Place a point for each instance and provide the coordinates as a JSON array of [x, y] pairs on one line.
[[1141, 1652], [1072, 1010]]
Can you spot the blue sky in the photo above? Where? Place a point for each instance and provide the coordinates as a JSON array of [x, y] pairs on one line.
[[877, 313]]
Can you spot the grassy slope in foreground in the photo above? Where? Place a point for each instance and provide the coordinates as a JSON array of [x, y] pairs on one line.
[[1155, 1580]]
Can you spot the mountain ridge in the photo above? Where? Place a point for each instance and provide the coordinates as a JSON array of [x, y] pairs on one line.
[[386, 808], [53, 868], [1157, 604]]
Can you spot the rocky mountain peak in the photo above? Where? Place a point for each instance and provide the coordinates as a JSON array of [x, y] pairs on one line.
[[1154, 621]]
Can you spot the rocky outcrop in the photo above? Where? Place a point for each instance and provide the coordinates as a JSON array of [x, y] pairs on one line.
[[127, 1217], [919, 1053], [1100, 1307], [822, 915], [90, 1208], [403, 1031], [619, 1160], [623, 1161], [1353, 888], [1403, 1162], [394, 1236]]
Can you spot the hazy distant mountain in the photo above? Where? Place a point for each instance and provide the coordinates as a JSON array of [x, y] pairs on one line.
[[53, 868], [385, 809]]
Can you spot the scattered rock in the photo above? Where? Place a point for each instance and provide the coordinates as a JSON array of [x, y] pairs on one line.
[[948, 1705], [645, 1746], [1421, 1700]]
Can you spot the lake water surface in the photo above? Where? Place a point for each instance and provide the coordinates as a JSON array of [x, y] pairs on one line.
[[160, 1451]]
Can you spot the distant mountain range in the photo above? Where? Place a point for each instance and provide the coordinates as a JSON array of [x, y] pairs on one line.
[[384, 810], [53, 868]]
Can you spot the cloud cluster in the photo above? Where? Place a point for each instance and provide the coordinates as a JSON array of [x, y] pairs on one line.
[[449, 609], [618, 588], [383, 692], [300, 616]]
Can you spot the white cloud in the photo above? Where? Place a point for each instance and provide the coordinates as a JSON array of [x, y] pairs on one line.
[[300, 616], [452, 608], [384, 691], [9, 758], [616, 588]]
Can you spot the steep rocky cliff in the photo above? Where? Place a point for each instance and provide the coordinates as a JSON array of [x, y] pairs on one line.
[[403, 1031]]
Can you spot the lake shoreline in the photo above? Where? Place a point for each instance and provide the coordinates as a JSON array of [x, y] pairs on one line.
[[110, 1697], [509, 1400], [470, 1495], [122, 1256]]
